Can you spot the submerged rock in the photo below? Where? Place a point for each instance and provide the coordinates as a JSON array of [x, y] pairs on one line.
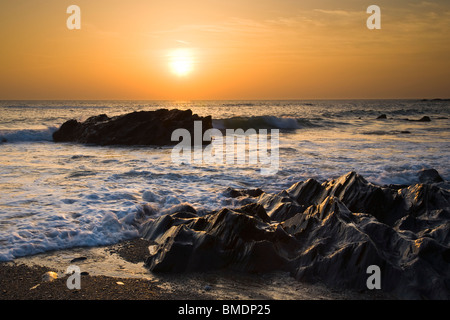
[[429, 176], [424, 119], [233, 193], [136, 128], [329, 232]]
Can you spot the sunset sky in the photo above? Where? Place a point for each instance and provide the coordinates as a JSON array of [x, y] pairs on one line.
[[216, 49]]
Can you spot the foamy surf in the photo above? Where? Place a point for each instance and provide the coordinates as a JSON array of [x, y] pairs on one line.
[[62, 232]]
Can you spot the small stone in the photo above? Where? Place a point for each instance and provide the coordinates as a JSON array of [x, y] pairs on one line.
[[207, 288], [49, 276], [78, 259]]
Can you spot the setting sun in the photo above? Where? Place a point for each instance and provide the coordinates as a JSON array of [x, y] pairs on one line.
[[209, 50], [181, 61]]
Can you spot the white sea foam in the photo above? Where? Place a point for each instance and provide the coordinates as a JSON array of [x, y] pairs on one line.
[[34, 236]]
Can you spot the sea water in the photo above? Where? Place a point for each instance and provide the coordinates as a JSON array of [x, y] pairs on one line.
[[63, 195]]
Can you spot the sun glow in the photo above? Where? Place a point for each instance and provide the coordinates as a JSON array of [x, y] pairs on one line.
[[181, 61]]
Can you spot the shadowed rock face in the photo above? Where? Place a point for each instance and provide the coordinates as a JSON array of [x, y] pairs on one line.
[[330, 232], [136, 128], [429, 176]]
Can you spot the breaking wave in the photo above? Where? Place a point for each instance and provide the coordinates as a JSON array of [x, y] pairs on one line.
[[27, 135], [263, 122]]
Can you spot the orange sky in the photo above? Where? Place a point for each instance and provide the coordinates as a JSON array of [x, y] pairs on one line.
[[240, 49]]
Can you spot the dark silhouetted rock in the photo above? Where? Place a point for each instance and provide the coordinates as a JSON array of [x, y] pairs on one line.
[[136, 128], [233, 193], [382, 116], [79, 259], [424, 119], [352, 189], [429, 176], [329, 232], [226, 239]]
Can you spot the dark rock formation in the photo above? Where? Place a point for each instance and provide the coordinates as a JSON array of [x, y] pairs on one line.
[[136, 128], [382, 116], [329, 232], [423, 119], [429, 176], [227, 238], [233, 193]]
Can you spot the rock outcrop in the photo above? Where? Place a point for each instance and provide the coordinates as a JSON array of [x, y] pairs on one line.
[[136, 128], [429, 176], [330, 232]]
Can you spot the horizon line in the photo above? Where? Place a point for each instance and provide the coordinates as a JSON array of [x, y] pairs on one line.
[[186, 100]]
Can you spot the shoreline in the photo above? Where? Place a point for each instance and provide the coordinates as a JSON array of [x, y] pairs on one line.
[[308, 231], [117, 272]]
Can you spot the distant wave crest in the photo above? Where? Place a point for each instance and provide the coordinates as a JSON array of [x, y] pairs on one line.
[[263, 122], [25, 135]]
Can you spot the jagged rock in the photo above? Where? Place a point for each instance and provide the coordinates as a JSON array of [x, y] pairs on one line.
[[329, 232], [352, 189], [233, 193], [339, 246], [255, 210], [382, 116], [226, 239], [280, 207], [136, 128], [181, 207]]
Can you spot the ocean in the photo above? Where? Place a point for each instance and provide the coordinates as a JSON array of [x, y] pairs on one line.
[[63, 195]]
